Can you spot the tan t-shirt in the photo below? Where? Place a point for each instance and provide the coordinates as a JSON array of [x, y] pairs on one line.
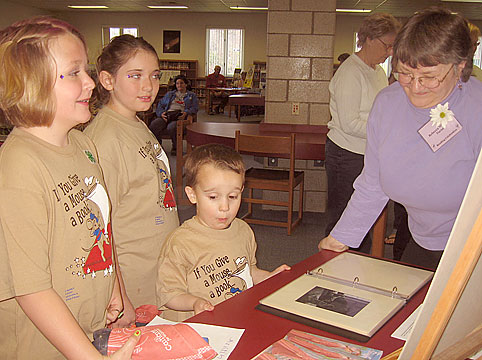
[[6, 283], [54, 213], [144, 211], [212, 264]]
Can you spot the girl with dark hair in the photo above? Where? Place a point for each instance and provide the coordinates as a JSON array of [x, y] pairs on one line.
[[135, 167]]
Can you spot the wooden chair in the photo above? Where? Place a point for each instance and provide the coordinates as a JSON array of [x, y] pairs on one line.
[[271, 179], [180, 159]]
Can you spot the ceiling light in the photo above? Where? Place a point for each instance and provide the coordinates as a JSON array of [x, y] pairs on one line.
[[469, 1], [87, 6], [247, 8], [354, 10], [167, 6]]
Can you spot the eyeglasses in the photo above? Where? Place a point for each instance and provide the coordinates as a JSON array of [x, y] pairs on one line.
[[388, 47], [428, 82]]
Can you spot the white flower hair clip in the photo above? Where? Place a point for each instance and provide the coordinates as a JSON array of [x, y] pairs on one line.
[[441, 115]]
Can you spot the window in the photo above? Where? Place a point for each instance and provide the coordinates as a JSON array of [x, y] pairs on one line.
[[224, 47], [110, 32]]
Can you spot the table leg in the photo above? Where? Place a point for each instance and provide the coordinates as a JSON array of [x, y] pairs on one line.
[[379, 230], [239, 113]]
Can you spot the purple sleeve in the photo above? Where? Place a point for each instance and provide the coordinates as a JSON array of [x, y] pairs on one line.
[[368, 199]]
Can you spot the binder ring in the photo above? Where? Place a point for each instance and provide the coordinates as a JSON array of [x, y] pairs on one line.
[[320, 271], [394, 291], [356, 280]]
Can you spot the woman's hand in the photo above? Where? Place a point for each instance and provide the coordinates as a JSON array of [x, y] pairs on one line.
[[125, 352], [330, 243], [164, 116]]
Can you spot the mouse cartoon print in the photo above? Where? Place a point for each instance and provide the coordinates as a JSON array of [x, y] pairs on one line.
[[240, 278], [100, 252], [167, 199]]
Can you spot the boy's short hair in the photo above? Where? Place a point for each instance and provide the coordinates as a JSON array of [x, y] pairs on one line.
[[220, 156], [28, 74]]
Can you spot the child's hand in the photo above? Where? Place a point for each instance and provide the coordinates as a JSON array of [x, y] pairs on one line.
[[201, 305], [128, 318], [125, 352], [279, 269]]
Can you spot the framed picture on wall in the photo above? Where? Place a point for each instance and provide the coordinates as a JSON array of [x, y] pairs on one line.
[[171, 41]]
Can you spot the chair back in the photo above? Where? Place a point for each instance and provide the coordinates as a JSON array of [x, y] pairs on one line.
[[260, 145]]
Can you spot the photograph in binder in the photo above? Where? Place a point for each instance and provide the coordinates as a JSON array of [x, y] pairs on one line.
[[352, 295], [336, 301]]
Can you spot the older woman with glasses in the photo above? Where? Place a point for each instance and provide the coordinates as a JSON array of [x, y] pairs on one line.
[[352, 92], [424, 136]]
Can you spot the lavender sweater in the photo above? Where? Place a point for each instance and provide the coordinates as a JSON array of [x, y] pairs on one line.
[[400, 165]]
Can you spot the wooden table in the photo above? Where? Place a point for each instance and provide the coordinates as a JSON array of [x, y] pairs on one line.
[[209, 91], [263, 329], [245, 99], [310, 145], [310, 139]]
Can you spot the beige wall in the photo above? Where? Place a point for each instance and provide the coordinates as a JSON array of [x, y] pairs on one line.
[[11, 12], [192, 26]]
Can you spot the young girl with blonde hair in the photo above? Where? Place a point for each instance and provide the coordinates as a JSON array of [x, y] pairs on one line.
[[60, 283]]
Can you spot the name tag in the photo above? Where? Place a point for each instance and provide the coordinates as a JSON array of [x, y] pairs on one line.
[[436, 137]]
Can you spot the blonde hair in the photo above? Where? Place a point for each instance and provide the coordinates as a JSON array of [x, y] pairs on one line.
[[29, 70], [474, 33]]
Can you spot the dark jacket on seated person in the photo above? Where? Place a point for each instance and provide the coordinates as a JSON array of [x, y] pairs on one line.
[[191, 105]]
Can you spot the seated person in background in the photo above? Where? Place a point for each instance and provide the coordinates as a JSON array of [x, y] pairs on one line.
[[211, 257], [177, 104], [216, 80]]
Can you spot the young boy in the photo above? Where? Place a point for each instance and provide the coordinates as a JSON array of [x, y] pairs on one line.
[[211, 257]]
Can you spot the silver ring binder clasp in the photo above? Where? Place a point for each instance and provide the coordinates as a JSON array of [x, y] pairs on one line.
[[356, 280], [394, 291]]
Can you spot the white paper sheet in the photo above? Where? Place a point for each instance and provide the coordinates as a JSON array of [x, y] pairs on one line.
[[222, 339], [404, 330]]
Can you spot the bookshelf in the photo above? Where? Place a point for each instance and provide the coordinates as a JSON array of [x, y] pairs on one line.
[[188, 68], [259, 66]]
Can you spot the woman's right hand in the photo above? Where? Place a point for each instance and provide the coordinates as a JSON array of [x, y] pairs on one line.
[[164, 116], [330, 243], [125, 352]]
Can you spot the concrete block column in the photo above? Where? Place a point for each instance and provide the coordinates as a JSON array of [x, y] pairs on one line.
[[299, 69]]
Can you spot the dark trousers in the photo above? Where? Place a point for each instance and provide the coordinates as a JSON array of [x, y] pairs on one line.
[[342, 168], [416, 255], [160, 127], [219, 101], [403, 233]]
